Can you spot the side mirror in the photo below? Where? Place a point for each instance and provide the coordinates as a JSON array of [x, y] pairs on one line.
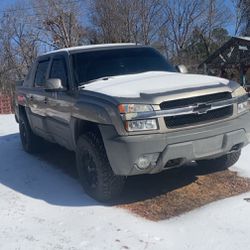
[[182, 69], [54, 84]]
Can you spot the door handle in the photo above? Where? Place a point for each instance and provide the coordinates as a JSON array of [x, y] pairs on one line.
[[45, 100]]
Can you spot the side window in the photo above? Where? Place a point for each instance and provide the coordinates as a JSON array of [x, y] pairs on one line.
[[59, 70], [41, 71]]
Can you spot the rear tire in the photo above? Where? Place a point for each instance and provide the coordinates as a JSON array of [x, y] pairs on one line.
[[29, 140], [223, 162], [95, 172]]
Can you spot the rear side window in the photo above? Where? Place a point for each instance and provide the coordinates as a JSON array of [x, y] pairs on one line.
[[41, 71], [59, 70]]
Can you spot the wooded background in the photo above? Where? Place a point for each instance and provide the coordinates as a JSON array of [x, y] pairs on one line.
[[185, 31]]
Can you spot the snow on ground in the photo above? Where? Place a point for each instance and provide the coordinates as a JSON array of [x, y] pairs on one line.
[[43, 208]]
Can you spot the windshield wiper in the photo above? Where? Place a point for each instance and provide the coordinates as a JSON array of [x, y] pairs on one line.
[[82, 84]]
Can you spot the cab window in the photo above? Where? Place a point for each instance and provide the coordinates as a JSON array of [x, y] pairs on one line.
[[59, 70], [41, 71]]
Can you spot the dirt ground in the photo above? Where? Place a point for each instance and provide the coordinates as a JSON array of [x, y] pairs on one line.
[[186, 189], [165, 195]]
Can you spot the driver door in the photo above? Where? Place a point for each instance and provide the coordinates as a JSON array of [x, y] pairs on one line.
[[60, 103]]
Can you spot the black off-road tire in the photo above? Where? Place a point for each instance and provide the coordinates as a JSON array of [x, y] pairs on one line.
[[223, 162], [30, 141], [95, 172]]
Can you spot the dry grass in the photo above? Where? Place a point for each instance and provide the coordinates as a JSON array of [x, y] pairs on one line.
[[189, 188]]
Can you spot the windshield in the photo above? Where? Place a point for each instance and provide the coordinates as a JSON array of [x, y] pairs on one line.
[[97, 64]]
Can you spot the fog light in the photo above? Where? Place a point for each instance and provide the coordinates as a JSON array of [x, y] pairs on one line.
[[146, 161], [242, 107]]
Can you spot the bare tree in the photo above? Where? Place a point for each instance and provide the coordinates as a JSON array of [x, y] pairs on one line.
[[192, 24], [246, 17], [151, 18], [180, 28], [59, 22], [241, 18], [19, 42], [30, 27], [216, 15], [128, 20], [237, 17], [182, 16], [106, 19]]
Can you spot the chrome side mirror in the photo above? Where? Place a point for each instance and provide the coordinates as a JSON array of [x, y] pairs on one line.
[[54, 84], [181, 69]]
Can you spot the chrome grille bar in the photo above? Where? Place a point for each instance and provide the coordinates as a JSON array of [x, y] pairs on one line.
[[181, 111]]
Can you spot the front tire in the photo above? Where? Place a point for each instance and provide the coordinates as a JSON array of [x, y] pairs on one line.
[[29, 140], [223, 162], [95, 172]]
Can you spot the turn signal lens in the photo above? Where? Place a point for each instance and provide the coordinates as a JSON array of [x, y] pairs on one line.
[[134, 108]]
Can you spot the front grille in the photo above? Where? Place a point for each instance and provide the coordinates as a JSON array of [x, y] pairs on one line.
[[186, 120], [191, 119], [194, 100]]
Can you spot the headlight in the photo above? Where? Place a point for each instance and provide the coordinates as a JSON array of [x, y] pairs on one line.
[[130, 112], [243, 104], [141, 125], [134, 108], [239, 92]]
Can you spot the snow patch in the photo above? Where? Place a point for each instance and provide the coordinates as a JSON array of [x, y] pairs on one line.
[[43, 208]]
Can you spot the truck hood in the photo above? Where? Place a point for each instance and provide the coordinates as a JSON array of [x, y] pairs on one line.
[[133, 86]]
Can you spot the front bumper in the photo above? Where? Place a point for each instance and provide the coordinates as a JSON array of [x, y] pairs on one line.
[[188, 144]]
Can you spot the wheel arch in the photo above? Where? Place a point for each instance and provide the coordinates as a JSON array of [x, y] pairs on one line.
[[22, 112], [82, 127], [21, 109]]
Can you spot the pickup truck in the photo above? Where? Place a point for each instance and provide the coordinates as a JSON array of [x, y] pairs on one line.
[[125, 110]]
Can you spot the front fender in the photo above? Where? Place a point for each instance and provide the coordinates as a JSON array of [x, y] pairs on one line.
[[101, 113]]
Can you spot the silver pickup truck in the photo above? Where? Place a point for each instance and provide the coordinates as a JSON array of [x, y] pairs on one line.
[[125, 111]]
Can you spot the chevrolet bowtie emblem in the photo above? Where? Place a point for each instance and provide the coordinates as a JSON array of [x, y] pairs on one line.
[[202, 108]]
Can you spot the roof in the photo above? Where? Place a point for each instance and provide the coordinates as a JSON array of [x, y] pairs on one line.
[[88, 47], [234, 52]]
